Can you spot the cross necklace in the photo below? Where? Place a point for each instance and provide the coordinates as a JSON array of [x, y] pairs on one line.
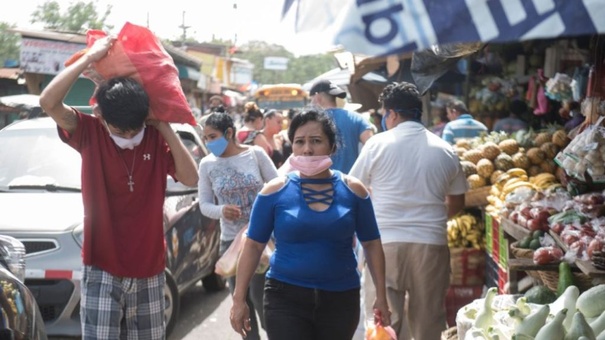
[[131, 172]]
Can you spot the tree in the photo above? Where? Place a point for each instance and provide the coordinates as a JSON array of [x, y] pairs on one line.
[[9, 43], [79, 17]]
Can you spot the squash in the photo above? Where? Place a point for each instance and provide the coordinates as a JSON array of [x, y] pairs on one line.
[[565, 277], [598, 324], [485, 316], [579, 327], [533, 322], [566, 300], [553, 330], [592, 302], [601, 336]]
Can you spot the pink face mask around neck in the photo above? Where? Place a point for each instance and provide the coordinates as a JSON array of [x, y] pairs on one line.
[[310, 165]]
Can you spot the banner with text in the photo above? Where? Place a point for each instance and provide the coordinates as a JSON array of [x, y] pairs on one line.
[[382, 27]]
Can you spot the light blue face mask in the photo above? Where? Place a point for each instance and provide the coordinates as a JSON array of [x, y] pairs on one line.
[[218, 146]]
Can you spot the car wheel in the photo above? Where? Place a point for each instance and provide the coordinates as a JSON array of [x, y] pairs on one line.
[[171, 303], [214, 282]]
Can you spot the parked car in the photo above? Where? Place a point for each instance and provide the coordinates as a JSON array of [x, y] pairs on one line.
[[20, 317], [41, 205]]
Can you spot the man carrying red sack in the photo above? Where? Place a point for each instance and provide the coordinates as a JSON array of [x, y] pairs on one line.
[[125, 161]]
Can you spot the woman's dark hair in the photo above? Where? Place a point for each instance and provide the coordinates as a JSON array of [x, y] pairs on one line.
[[269, 114], [251, 112], [402, 98], [314, 115], [123, 103], [220, 121]]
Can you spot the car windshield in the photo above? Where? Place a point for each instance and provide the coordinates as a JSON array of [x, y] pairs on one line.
[[37, 159]]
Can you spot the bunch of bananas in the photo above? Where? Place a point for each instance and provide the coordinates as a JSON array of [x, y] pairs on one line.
[[464, 231], [545, 181], [505, 184]]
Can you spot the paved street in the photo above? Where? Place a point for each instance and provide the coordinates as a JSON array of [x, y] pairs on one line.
[[204, 316]]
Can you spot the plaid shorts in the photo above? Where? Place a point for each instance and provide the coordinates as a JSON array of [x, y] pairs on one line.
[[121, 308]]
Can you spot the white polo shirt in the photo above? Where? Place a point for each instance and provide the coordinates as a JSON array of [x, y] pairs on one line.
[[410, 171]]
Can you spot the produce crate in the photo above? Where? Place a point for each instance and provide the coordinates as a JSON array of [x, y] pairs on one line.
[[495, 240], [503, 251], [477, 197], [488, 233], [491, 272], [467, 266], [458, 297], [502, 280]]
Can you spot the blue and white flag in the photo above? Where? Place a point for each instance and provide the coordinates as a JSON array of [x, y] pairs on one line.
[[383, 27]]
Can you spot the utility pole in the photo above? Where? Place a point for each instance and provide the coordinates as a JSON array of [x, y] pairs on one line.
[[184, 28]]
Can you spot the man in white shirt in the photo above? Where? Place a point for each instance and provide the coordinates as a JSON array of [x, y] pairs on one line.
[[417, 183]]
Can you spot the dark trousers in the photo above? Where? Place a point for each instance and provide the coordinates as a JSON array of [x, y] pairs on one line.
[[298, 313]]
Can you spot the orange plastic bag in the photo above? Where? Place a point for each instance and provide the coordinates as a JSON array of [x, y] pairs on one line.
[[137, 53], [376, 331]]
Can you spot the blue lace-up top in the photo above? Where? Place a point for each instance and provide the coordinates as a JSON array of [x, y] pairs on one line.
[[314, 249]]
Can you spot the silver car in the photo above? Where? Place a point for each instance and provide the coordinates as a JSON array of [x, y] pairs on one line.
[[41, 205]]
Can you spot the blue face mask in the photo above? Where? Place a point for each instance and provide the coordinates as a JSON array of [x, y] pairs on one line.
[[383, 122], [218, 146]]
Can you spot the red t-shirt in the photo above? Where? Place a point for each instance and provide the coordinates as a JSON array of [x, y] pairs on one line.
[[123, 230]]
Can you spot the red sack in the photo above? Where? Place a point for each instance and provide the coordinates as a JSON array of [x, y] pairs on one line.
[[137, 53]]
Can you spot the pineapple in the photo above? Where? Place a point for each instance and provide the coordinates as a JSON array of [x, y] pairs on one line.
[[525, 138], [536, 155], [520, 160], [550, 150], [509, 146], [459, 151], [548, 166], [472, 155], [490, 150], [494, 177], [560, 139], [469, 168], [534, 170], [542, 137], [476, 181], [485, 168], [463, 143], [504, 162]]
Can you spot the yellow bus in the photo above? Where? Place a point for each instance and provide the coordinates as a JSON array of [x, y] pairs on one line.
[[281, 97]]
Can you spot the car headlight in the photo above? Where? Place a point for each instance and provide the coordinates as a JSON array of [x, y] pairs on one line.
[[78, 234], [12, 253]]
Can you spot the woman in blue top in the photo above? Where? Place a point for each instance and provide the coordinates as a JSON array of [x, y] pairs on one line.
[[312, 286]]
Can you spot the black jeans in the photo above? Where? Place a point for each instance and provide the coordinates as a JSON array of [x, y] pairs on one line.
[[298, 313]]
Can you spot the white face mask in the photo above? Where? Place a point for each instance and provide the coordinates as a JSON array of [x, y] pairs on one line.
[[128, 143]]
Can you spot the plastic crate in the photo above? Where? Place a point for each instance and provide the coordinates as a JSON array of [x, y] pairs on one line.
[[491, 272], [467, 266], [458, 297], [496, 237], [488, 233], [502, 280], [503, 252]]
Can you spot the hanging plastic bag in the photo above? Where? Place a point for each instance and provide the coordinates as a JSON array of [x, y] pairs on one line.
[[226, 266], [137, 53]]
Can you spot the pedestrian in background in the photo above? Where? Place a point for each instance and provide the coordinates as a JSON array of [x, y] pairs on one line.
[[233, 174], [280, 146], [315, 214], [461, 124], [417, 183], [251, 131], [125, 161], [352, 128], [513, 122]]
